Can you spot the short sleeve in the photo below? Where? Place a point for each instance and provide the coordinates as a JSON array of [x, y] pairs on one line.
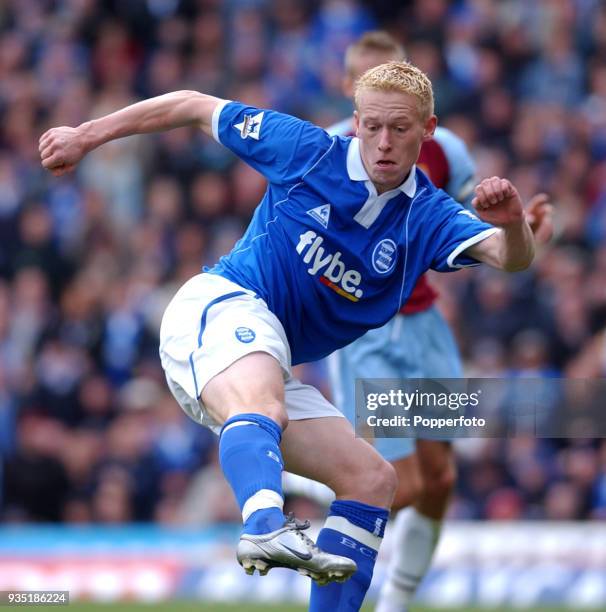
[[457, 230], [281, 147]]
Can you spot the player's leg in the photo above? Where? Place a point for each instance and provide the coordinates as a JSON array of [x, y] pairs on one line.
[[247, 398], [326, 450], [417, 527], [372, 356], [362, 359], [233, 382]]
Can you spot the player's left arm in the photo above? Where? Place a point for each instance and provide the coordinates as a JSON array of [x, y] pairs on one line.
[[511, 248], [461, 183]]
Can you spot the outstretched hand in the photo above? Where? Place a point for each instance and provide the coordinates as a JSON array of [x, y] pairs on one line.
[[497, 202], [61, 149], [539, 214]]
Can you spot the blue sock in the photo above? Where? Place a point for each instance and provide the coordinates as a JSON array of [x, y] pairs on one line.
[[353, 530], [252, 463]]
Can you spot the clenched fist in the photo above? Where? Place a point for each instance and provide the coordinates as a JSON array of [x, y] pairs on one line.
[[497, 202], [61, 149]]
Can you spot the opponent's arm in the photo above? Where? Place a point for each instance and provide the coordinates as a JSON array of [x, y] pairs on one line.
[[512, 248], [62, 148], [539, 214], [461, 166]]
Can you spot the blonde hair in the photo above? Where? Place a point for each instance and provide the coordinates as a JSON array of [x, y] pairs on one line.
[[375, 41], [398, 76]]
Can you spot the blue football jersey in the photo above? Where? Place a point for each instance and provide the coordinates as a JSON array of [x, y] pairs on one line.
[[331, 257]]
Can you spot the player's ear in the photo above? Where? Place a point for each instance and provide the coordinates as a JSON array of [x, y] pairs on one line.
[[430, 127], [356, 122]]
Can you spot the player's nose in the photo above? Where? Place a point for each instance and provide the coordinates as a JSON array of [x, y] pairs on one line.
[[384, 140]]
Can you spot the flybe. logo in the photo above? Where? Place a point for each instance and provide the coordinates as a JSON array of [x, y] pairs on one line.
[[333, 271]]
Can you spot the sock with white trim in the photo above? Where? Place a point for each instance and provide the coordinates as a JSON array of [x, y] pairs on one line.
[[415, 538], [252, 463], [353, 530]]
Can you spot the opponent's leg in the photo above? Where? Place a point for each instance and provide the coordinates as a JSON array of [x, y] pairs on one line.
[[326, 450], [423, 347], [417, 528], [410, 482], [438, 473]]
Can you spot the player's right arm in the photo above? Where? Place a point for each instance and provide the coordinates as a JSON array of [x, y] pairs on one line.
[[279, 146], [61, 148]]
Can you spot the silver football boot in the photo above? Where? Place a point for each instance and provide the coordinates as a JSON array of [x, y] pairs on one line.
[[290, 547]]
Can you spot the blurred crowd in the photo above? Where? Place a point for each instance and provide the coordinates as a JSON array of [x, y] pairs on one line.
[[88, 429]]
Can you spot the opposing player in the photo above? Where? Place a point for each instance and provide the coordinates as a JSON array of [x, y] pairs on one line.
[[417, 343], [335, 247]]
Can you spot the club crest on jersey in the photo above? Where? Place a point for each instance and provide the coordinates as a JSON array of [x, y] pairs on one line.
[[384, 256], [333, 272], [321, 214], [251, 126]]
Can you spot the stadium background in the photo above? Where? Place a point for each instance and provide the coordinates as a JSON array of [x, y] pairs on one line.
[[88, 431]]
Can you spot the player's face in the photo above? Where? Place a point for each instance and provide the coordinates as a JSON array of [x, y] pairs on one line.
[[391, 129]]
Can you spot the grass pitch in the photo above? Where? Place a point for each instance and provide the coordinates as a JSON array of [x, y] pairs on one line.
[[194, 606]]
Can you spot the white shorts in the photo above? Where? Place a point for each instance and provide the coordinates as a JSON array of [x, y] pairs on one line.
[[211, 323]]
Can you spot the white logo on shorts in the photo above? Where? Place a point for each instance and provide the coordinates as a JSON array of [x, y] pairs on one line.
[[245, 334]]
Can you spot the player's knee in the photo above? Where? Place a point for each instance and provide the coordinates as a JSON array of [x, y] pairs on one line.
[[371, 482], [380, 483], [389, 483], [272, 409], [276, 411]]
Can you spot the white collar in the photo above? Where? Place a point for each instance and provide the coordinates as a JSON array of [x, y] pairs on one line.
[[357, 172]]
